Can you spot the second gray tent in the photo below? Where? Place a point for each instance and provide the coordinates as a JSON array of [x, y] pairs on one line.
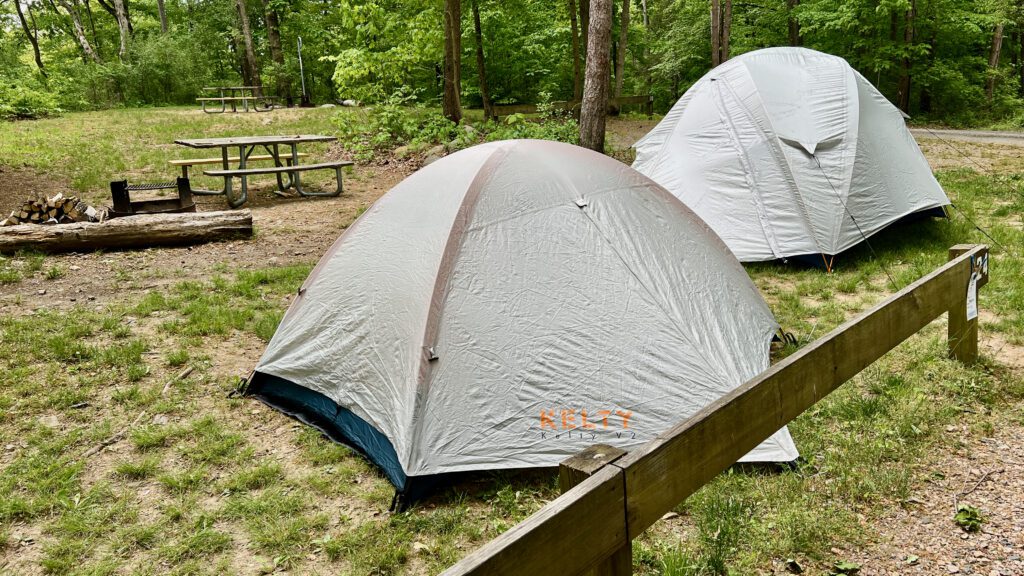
[[789, 152]]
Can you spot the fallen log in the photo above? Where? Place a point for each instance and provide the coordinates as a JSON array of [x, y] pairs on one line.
[[140, 231]]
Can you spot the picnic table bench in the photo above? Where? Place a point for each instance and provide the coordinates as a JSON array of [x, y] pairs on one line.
[[246, 95], [286, 165], [186, 163]]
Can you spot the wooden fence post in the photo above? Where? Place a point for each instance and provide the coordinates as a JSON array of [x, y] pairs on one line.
[[578, 468], [963, 333]]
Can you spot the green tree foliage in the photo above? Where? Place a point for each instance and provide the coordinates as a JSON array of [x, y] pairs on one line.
[[932, 56], [385, 47], [948, 54]]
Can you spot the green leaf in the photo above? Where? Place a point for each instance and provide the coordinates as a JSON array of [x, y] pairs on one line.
[[968, 517], [845, 568]]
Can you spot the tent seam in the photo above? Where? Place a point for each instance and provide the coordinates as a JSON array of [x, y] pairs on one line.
[[848, 174], [442, 279], [772, 137]]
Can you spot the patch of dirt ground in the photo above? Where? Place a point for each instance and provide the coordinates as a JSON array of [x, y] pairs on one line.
[[288, 231], [944, 152], [20, 184]]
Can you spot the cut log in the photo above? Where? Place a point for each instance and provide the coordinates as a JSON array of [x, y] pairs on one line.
[[139, 231]]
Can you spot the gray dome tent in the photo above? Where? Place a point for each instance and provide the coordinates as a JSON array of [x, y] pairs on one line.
[[789, 152], [509, 305]]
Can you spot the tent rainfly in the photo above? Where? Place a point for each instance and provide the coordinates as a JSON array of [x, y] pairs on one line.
[[509, 305], [789, 152]]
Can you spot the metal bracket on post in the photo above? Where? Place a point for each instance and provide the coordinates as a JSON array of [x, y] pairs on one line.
[[963, 331], [578, 468]]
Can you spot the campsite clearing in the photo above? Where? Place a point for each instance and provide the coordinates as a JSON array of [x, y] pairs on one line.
[[93, 345]]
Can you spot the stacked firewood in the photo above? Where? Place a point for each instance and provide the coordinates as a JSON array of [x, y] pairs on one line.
[[56, 210]]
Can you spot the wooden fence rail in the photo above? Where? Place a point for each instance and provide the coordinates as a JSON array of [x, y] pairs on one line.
[[589, 528], [573, 106]]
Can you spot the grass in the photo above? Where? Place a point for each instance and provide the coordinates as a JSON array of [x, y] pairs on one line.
[[223, 304], [23, 265], [206, 484]]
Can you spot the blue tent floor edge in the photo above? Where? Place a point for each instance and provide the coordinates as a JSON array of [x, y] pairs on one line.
[[337, 423], [344, 427]]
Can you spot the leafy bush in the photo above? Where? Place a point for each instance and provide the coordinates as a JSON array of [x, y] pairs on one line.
[[553, 124], [160, 70], [19, 102], [381, 127], [393, 123], [396, 122], [561, 129]]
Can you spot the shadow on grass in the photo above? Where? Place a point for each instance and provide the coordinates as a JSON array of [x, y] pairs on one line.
[[895, 244]]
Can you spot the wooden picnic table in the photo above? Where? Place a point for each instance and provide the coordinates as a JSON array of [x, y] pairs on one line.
[[286, 166], [232, 99]]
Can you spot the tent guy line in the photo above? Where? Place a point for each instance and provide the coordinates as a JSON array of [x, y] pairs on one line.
[[874, 254]]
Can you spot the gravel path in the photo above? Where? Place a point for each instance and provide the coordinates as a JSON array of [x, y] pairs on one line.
[[920, 537], [988, 136]]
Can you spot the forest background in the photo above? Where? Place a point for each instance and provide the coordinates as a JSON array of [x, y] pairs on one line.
[[955, 62]]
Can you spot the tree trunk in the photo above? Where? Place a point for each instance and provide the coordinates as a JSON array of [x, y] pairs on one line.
[[163, 15], [76, 21], [96, 40], [577, 73], [721, 26], [726, 30], [903, 91], [128, 17], [128, 232], [595, 88], [481, 69], [32, 33], [249, 51], [451, 105], [112, 10], [794, 25], [243, 66], [716, 34], [282, 84], [649, 80], [620, 53], [121, 15], [993, 61], [584, 31]]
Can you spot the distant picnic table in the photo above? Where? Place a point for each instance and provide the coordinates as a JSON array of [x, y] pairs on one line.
[[233, 95], [286, 166]]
